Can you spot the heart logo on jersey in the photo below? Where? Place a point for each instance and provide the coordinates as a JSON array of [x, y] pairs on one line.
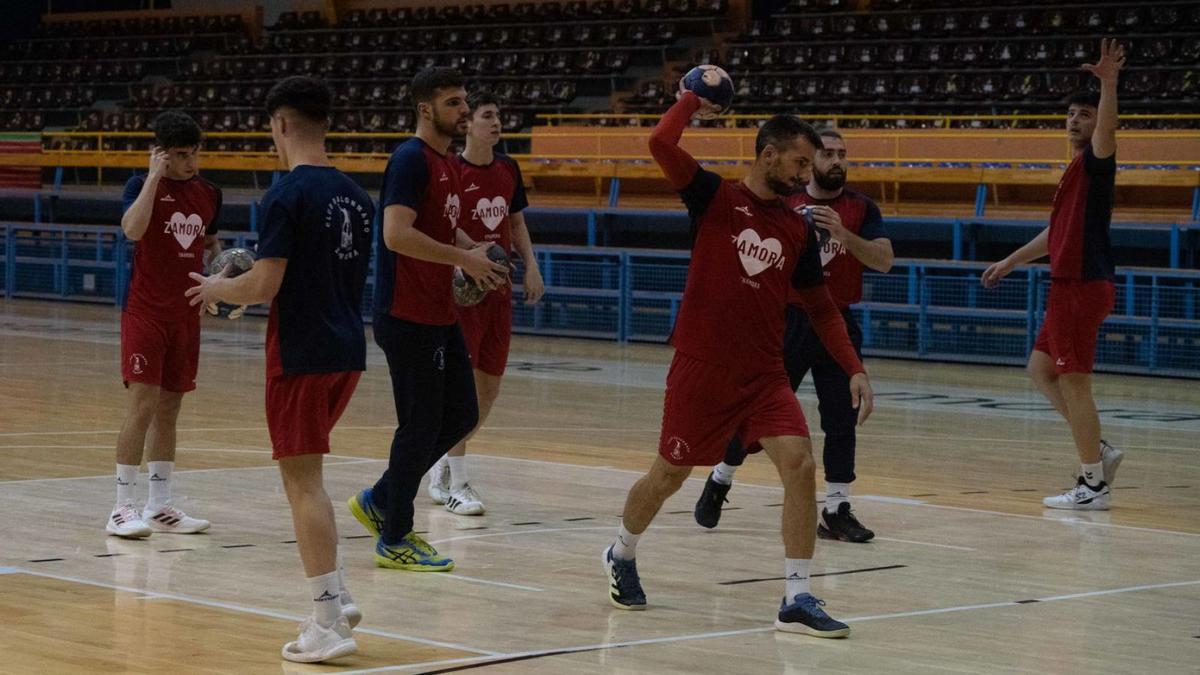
[[451, 209], [491, 211], [758, 254], [185, 228], [830, 250]]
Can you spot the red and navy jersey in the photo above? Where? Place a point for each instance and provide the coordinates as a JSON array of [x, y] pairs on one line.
[[746, 255], [425, 181], [319, 220], [185, 211], [1079, 243], [490, 195], [844, 272]]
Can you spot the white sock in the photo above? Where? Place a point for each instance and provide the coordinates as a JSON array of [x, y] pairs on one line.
[[341, 581], [1093, 474], [325, 594], [723, 473], [835, 495], [796, 575], [126, 483], [160, 484], [458, 472], [625, 547]]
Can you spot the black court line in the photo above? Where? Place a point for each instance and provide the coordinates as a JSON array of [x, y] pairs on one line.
[[928, 494], [974, 492], [1125, 487], [1176, 487], [289, 541], [237, 545], [360, 536], [46, 560], [174, 550], [107, 555], [575, 520], [529, 522], [514, 659], [767, 506], [676, 512], [823, 574], [481, 527], [1026, 602]]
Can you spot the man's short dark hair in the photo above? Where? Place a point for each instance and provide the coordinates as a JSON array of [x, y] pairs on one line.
[[175, 129], [428, 81], [783, 129], [309, 96], [1084, 97], [481, 97], [830, 132]]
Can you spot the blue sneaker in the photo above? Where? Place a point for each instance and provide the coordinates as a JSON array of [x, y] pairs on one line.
[[413, 554], [624, 588], [364, 511], [805, 615]]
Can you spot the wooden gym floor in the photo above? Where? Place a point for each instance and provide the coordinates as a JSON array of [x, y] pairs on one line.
[[968, 572]]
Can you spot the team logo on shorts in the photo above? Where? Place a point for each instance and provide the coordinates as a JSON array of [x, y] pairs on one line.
[[439, 358], [138, 363], [677, 448]]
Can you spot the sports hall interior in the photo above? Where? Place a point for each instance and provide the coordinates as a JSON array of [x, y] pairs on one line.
[[953, 117]]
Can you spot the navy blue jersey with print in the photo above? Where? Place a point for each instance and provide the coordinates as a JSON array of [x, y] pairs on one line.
[[320, 221]]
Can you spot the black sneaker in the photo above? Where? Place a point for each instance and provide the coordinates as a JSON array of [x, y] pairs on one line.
[[842, 526], [708, 507], [624, 587], [804, 615]]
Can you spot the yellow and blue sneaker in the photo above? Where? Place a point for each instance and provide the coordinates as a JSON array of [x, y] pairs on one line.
[[364, 511], [413, 554]]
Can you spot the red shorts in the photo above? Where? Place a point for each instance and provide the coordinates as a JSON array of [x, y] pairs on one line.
[[487, 330], [160, 353], [1074, 312], [302, 409], [706, 405]]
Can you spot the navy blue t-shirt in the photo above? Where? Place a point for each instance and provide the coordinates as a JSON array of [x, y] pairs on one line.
[[320, 221]]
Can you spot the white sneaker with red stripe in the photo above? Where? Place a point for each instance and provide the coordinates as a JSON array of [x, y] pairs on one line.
[[171, 520], [125, 521]]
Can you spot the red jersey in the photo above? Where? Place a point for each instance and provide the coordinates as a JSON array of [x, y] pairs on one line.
[[185, 211], [491, 194], [746, 255], [425, 181], [844, 272], [1079, 243]]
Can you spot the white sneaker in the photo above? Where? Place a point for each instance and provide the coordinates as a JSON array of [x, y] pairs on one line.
[[1111, 458], [439, 482], [317, 643], [1080, 498], [352, 613], [465, 502], [125, 521], [170, 519]]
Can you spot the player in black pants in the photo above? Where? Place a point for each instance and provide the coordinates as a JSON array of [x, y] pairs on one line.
[[855, 237]]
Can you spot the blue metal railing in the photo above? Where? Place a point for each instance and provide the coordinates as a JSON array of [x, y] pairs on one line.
[[923, 309]]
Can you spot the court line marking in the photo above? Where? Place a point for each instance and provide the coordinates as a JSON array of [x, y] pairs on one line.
[[882, 500], [926, 543], [459, 577], [251, 610], [354, 460], [484, 660]]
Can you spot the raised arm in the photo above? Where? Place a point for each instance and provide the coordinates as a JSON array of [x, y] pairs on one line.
[[678, 166], [1107, 70], [139, 196]]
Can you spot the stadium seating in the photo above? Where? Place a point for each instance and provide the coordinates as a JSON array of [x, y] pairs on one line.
[[947, 58]]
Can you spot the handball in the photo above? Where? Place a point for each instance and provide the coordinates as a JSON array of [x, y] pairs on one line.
[[710, 83], [466, 291], [239, 260]]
